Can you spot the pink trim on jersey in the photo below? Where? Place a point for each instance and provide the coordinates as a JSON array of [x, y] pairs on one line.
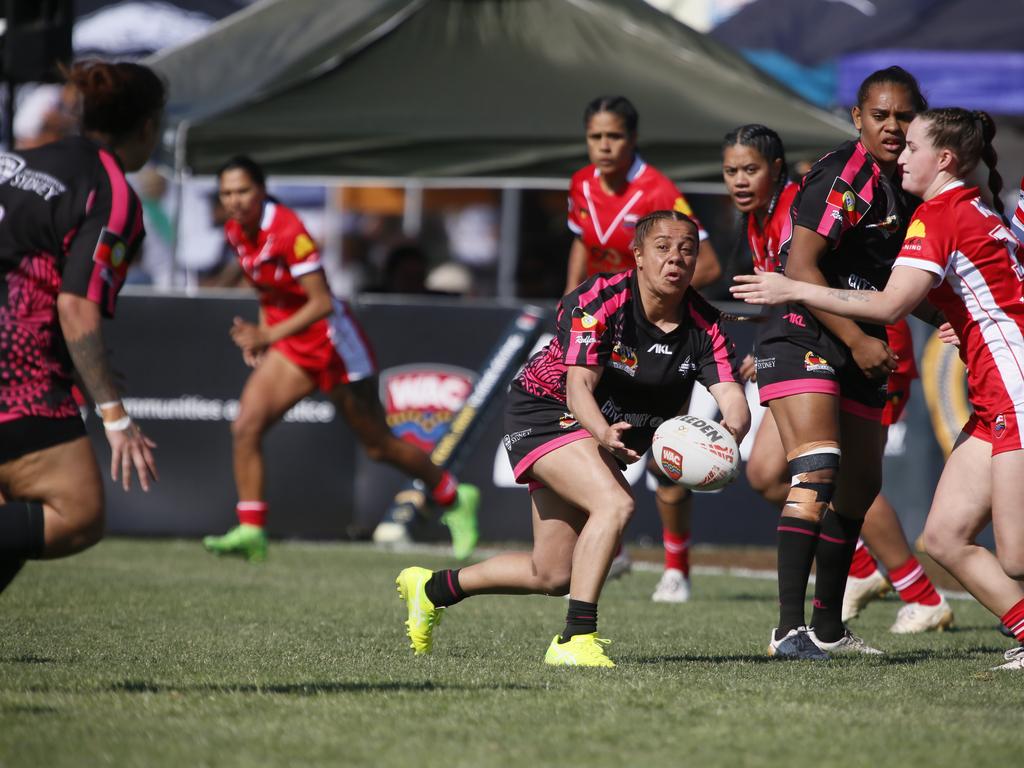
[[534, 485], [859, 409], [797, 387], [601, 314], [718, 345], [542, 450], [5, 417], [118, 194], [600, 285], [854, 164]]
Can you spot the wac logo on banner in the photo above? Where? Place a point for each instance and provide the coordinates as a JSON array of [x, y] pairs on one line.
[[420, 400]]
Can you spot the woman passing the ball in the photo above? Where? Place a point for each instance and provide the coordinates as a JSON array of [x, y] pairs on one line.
[[627, 351], [960, 256], [69, 227], [306, 339]]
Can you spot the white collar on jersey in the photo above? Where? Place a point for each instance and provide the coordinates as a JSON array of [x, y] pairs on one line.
[[950, 185], [638, 167], [269, 209]]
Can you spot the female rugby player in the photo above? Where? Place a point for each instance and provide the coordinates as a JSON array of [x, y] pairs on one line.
[[960, 255], [306, 339], [69, 228], [756, 175], [584, 406], [606, 199]]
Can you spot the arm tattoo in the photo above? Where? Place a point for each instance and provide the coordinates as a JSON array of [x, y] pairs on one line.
[[90, 358], [848, 295]]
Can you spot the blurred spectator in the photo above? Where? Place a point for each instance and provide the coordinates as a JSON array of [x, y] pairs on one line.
[[156, 264], [44, 114], [450, 278], [405, 270]]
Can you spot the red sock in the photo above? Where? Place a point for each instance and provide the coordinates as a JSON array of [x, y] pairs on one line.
[[444, 494], [863, 564], [677, 551], [252, 512], [1013, 620], [913, 583]]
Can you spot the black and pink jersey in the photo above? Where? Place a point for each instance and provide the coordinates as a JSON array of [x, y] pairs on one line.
[[69, 223], [863, 214], [648, 374]]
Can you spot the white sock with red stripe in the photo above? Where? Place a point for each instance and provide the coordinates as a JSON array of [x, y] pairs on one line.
[[863, 564], [1013, 620], [677, 551], [913, 583], [252, 513]]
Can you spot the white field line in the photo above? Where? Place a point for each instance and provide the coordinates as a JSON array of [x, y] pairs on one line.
[[638, 565]]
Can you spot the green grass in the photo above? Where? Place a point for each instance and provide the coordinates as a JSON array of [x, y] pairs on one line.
[[154, 653]]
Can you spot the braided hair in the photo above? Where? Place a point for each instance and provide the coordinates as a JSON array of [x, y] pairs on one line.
[[968, 135]]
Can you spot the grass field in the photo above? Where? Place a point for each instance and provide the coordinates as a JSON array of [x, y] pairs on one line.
[[153, 653]]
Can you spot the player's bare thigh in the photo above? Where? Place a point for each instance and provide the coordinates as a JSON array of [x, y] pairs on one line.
[[66, 479], [273, 387], [1007, 515], [556, 527], [585, 476], [962, 505]]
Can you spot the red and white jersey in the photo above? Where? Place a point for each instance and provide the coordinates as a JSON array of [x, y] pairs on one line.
[[977, 263], [765, 242], [605, 222], [282, 253], [1017, 220]]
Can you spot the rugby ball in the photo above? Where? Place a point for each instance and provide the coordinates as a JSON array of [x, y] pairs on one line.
[[697, 453]]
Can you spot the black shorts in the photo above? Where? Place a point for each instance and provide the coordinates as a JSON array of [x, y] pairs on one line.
[[535, 426], [794, 365], [34, 433]]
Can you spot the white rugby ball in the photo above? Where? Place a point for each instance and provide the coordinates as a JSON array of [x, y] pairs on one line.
[[696, 452]]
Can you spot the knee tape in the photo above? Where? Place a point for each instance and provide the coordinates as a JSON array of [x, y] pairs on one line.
[[808, 497]]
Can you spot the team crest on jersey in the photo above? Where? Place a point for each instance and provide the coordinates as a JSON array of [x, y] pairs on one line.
[[682, 207], [999, 428], [916, 229], [849, 206], [303, 246], [624, 358], [567, 421], [420, 401], [813, 362]]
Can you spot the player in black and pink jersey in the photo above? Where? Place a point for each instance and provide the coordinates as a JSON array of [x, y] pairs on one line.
[[961, 256], [606, 199], [756, 175], [824, 377], [306, 339], [629, 347], [69, 227]]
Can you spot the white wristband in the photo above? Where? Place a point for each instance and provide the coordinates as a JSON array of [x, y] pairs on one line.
[[120, 425], [111, 404]]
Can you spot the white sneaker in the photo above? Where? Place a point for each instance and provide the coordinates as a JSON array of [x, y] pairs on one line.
[[914, 618], [1014, 660], [860, 592], [621, 565], [848, 643], [673, 587]]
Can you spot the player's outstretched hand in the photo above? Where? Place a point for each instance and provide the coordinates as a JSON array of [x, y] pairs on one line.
[[128, 448], [611, 439], [947, 335], [763, 288], [249, 337]]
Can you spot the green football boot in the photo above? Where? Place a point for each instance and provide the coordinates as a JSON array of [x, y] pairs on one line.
[[460, 518], [248, 541]]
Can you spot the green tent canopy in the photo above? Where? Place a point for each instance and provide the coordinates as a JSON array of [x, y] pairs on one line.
[[464, 88]]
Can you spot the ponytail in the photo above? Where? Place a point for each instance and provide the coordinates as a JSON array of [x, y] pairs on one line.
[[116, 97], [989, 157]]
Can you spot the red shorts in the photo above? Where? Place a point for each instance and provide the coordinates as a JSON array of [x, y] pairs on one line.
[[1002, 431], [331, 351], [896, 397]]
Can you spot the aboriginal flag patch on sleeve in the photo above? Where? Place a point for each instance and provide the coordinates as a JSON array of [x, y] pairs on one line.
[[850, 205]]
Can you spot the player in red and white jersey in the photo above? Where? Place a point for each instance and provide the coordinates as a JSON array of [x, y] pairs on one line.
[[70, 225], [961, 256], [1017, 221], [306, 339], [606, 199], [756, 174], [627, 351]]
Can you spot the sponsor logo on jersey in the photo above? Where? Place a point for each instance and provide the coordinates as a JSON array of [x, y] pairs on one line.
[[671, 464], [813, 362], [568, 421], [515, 437], [303, 246], [764, 362], [660, 349], [795, 319], [999, 428], [623, 358], [850, 206], [687, 366], [682, 206], [614, 413], [916, 229], [859, 283], [14, 172], [421, 400]]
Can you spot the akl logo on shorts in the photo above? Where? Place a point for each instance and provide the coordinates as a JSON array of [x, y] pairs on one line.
[[795, 319], [813, 362]]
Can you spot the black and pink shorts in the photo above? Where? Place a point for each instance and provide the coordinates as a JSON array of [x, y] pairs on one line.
[[534, 427], [28, 434]]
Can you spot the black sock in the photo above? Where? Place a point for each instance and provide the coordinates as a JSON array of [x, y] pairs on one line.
[[580, 619], [21, 530], [798, 539], [838, 540], [8, 570], [443, 588]]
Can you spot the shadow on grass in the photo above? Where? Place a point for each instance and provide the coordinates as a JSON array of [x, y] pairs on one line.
[[309, 689], [28, 709], [27, 658], [678, 658], [946, 654]]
